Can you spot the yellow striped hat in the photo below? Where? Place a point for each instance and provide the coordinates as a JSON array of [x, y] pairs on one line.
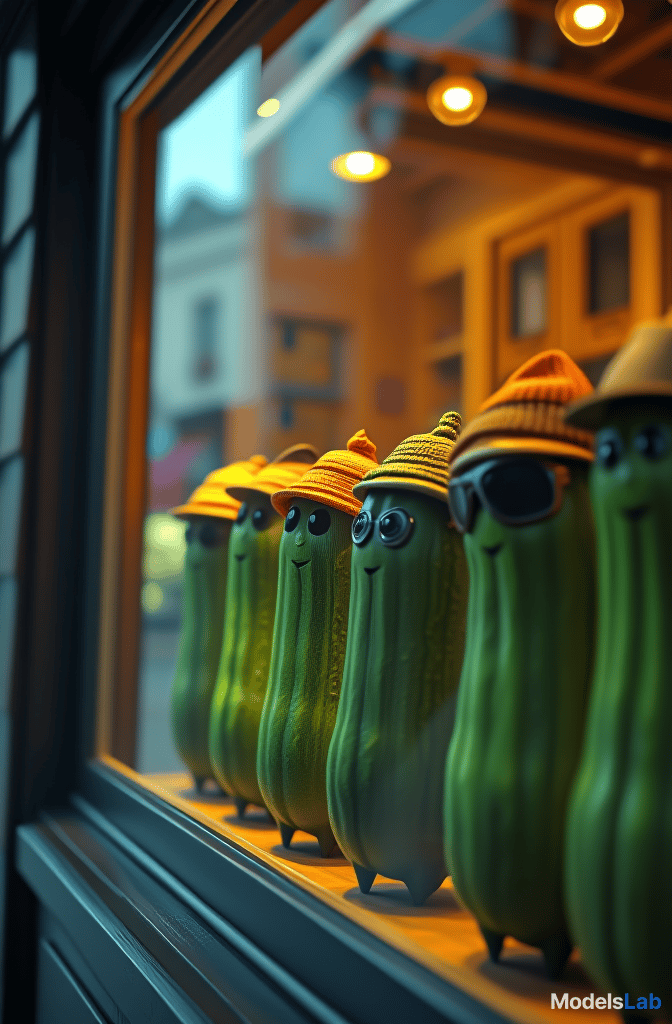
[[211, 499], [285, 470]]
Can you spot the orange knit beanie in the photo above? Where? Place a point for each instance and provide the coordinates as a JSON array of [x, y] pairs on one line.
[[331, 479], [211, 498], [420, 463], [287, 468], [525, 416]]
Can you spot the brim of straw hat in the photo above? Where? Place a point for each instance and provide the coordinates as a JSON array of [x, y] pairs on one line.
[[493, 447], [397, 483], [282, 500], [591, 413]]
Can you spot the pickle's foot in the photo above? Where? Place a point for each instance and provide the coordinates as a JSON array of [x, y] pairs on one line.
[[241, 803], [286, 833], [494, 942], [328, 845], [199, 782], [556, 954], [365, 877], [422, 884]]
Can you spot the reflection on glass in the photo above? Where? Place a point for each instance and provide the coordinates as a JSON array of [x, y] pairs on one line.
[[11, 478], [21, 80], [20, 178], [609, 261], [13, 379], [15, 291], [7, 619], [529, 294]]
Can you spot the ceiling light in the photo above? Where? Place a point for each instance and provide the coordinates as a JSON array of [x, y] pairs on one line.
[[588, 24], [268, 108], [360, 166], [456, 99]]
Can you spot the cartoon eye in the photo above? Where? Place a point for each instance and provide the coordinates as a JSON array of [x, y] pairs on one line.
[[259, 518], [189, 533], [242, 513], [395, 527], [651, 442], [210, 535], [608, 448], [292, 519], [362, 525], [319, 522]]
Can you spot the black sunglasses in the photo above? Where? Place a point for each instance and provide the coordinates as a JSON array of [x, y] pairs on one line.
[[515, 492]]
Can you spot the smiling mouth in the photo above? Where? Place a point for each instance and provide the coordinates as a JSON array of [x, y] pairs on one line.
[[299, 565], [493, 550], [241, 557], [372, 569], [636, 513]]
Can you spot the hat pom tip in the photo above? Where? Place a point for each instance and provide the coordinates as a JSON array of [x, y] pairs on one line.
[[449, 426], [361, 444]]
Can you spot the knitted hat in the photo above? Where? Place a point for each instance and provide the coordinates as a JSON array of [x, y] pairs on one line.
[[288, 467], [331, 479], [211, 498], [525, 416], [642, 368], [420, 463]]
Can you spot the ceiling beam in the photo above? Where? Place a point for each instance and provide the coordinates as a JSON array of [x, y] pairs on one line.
[[560, 83], [637, 49]]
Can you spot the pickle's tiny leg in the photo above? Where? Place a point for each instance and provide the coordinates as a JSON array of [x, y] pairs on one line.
[[364, 877], [241, 804], [199, 782], [494, 942], [328, 845], [556, 954], [286, 832], [421, 885]]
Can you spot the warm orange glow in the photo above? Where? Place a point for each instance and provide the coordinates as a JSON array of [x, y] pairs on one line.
[[456, 99], [360, 166], [588, 24]]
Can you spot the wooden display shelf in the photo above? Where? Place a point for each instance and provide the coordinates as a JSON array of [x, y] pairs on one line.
[[440, 934]]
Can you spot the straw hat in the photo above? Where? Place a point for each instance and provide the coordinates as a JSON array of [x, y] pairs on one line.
[[525, 416], [285, 470], [211, 498], [331, 479], [642, 368], [420, 463]]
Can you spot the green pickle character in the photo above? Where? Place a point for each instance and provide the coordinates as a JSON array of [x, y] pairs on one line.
[[309, 640], [402, 665], [252, 581], [619, 824], [518, 491], [209, 514]]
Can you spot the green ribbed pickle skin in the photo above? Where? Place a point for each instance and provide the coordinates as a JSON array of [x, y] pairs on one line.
[[619, 824], [245, 658], [402, 665], [200, 644], [520, 719], [305, 675]]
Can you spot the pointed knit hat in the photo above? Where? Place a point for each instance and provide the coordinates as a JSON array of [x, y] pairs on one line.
[[525, 416], [641, 369], [420, 463], [211, 499], [286, 469], [331, 479]]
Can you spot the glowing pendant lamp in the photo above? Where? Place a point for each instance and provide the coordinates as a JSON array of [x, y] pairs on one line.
[[360, 165], [456, 99], [588, 24]]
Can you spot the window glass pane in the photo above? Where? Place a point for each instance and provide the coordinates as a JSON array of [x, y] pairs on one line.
[[15, 294], [528, 294], [609, 260], [13, 380], [20, 178], [7, 620], [11, 479], [20, 81]]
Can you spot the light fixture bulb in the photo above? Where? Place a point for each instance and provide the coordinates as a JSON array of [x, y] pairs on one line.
[[360, 166], [268, 108], [456, 99], [588, 24], [590, 16]]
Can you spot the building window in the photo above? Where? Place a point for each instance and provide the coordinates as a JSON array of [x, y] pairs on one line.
[[206, 318]]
